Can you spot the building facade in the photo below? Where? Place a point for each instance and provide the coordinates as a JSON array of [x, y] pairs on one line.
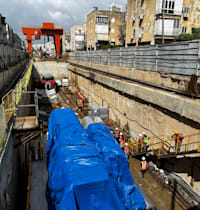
[[66, 42], [105, 27], [148, 21], [8, 36], [78, 38]]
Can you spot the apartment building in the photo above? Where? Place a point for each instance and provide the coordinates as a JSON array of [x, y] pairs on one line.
[[47, 48], [8, 36], [66, 42], [78, 38], [105, 27], [149, 20]]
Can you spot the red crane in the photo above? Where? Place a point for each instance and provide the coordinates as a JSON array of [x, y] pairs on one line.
[[47, 29]]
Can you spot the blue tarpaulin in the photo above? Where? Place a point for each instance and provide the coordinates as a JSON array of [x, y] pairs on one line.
[[84, 174], [116, 164]]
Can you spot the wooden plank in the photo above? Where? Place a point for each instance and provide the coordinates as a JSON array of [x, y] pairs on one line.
[[25, 123]]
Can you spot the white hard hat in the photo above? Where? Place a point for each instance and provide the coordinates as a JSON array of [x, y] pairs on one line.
[[162, 171], [121, 133], [126, 144], [143, 133], [140, 134], [143, 158], [116, 129], [111, 131]]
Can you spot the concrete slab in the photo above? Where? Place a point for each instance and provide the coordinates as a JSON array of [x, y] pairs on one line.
[[39, 180]]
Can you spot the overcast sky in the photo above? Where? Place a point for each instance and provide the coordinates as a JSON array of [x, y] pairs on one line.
[[64, 13]]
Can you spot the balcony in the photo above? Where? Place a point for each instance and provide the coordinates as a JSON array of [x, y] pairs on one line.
[[172, 32], [169, 12]]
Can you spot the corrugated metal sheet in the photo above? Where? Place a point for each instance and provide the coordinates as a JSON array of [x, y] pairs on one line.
[[179, 58]]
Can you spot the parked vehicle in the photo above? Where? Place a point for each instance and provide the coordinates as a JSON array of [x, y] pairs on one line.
[[46, 81]]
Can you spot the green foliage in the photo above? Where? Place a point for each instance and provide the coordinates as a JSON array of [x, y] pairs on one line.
[[110, 46], [187, 37]]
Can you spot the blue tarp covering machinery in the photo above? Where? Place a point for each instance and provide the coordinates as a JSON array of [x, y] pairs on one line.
[[87, 168]]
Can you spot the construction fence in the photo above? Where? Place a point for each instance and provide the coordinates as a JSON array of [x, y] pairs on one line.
[[10, 101], [179, 58]]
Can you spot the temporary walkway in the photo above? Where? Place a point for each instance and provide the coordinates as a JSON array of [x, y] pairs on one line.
[[164, 146]]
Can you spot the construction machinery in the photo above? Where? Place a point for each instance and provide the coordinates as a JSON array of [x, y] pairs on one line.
[[47, 29]]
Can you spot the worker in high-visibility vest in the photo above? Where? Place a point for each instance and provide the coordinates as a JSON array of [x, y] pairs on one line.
[[116, 134], [178, 138], [145, 141], [121, 140], [81, 105], [143, 166], [140, 143], [126, 150], [67, 104]]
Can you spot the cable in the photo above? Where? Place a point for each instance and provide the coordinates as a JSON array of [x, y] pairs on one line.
[[128, 118]]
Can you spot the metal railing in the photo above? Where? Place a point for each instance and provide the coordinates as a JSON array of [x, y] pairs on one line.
[[190, 144], [10, 102]]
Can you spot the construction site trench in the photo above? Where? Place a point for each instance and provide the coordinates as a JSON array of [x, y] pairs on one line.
[[172, 181]]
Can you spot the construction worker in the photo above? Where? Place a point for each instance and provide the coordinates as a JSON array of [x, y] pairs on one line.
[[143, 166], [67, 104], [116, 134], [126, 150], [140, 143], [81, 105], [121, 140], [178, 138], [145, 141]]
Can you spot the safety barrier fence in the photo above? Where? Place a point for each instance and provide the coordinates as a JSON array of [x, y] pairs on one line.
[[190, 144], [10, 102], [179, 58]]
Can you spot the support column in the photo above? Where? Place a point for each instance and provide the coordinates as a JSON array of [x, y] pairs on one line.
[[57, 44], [30, 47]]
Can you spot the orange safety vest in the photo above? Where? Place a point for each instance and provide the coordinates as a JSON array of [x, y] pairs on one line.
[[144, 165], [140, 141], [126, 150], [177, 138], [81, 103], [121, 138], [122, 143], [68, 103], [66, 106], [116, 134]]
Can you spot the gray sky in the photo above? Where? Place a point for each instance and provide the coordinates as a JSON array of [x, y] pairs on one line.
[[64, 13]]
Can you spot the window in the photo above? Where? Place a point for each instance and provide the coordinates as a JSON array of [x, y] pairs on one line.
[[134, 32], [186, 10], [176, 24], [102, 20], [112, 30], [143, 11], [112, 20], [184, 30], [168, 6], [135, 13]]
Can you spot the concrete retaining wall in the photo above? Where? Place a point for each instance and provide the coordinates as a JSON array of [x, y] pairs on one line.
[[11, 176], [185, 107], [10, 56], [57, 69], [143, 115], [8, 76]]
